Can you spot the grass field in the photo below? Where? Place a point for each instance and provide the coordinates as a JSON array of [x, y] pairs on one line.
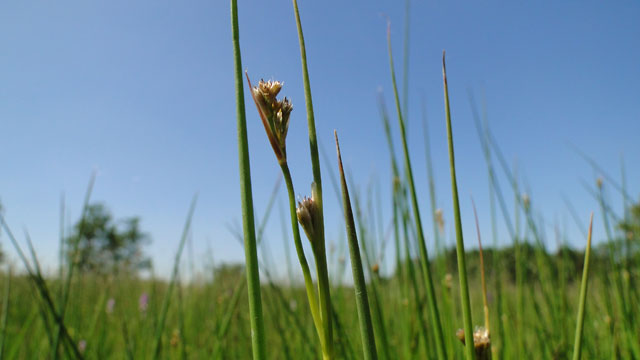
[[522, 301]]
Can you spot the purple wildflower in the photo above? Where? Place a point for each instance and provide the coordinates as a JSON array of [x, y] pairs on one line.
[[143, 302], [82, 346], [110, 304]]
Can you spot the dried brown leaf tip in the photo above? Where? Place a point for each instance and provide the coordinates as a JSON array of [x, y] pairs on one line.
[[481, 342], [274, 114]]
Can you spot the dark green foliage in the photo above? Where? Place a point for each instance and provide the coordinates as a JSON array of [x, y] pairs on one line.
[[106, 245]]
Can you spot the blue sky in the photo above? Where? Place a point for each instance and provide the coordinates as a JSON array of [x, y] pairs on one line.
[[142, 93]]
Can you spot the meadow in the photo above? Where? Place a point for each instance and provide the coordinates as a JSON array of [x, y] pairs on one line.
[[517, 301]]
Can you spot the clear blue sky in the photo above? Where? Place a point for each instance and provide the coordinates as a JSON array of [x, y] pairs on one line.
[[143, 93]]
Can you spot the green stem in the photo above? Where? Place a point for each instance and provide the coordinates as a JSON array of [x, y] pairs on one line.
[[321, 257], [462, 267], [436, 326], [72, 264], [172, 282], [577, 348], [308, 282], [250, 248], [5, 313], [313, 143], [360, 286]]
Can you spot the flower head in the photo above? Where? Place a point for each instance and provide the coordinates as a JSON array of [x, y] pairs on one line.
[[440, 219], [274, 114], [481, 342], [305, 213], [143, 302], [375, 268], [82, 346], [309, 215], [110, 304], [526, 201]]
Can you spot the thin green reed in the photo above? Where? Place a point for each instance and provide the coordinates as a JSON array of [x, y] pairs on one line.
[[251, 253], [40, 284], [406, 272], [62, 247], [577, 345], [377, 312], [172, 282], [405, 66], [72, 264], [5, 312], [360, 286], [311, 295], [629, 281], [275, 116], [618, 293], [321, 255], [395, 182], [432, 183], [462, 267], [483, 135], [436, 326]]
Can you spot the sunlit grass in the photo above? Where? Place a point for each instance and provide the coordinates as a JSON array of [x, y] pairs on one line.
[[529, 295]]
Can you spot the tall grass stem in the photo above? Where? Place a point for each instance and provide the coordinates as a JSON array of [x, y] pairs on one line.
[[360, 286], [577, 344], [250, 247], [436, 326], [462, 267]]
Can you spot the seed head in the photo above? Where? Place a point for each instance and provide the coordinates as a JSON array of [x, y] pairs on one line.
[[274, 114], [440, 219], [599, 182], [306, 213], [448, 281], [481, 342], [175, 338], [143, 302], [110, 305], [526, 201], [82, 346], [375, 268]]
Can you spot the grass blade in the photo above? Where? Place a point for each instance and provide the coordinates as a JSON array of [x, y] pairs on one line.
[[5, 313], [436, 326], [577, 344], [250, 247], [320, 251], [174, 275], [462, 267], [360, 286]]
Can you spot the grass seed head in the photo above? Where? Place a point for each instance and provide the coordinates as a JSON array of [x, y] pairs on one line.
[[599, 182], [274, 114], [526, 201], [440, 219], [306, 213], [481, 342]]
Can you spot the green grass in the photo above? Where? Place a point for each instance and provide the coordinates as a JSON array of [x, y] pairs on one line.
[[404, 307]]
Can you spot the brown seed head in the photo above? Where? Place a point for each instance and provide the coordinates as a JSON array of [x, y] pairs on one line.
[[526, 201], [440, 219], [274, 114], [306, 213], [375, 268], [448, 281], [481, 342]]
